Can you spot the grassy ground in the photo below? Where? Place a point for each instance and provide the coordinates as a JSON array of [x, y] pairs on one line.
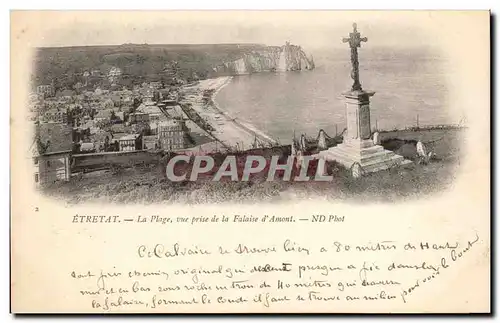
[[147, 184]]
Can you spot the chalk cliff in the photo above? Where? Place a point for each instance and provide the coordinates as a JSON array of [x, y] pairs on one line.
[[272, 58]]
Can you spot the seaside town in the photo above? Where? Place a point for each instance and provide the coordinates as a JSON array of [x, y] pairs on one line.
[[99, 123], [109, 134]]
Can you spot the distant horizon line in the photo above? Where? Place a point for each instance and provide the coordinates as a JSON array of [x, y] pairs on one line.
[[205, 44], [152, 44]]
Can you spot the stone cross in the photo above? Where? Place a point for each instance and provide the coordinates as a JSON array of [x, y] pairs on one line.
[[354, 41]]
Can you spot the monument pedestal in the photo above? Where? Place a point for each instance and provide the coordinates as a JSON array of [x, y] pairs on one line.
[[357, 146]]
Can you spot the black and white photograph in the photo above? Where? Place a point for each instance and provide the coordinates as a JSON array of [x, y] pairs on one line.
[[361, 103]]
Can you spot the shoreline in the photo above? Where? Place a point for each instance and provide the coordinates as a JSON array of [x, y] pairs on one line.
[[228, 130], [245, 126]]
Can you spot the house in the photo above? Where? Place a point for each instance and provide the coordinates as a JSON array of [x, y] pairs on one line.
[[54, 116], [120, 115], [138, 117], [52, 156], [148, 95], [153, 111], [45, 90], [119, 128], [175, 112], [66, 93], [113, 75], [153, 127], [149, 108], [114, 72], [104, 114], [173, 134], [155, 85], [131, 142]]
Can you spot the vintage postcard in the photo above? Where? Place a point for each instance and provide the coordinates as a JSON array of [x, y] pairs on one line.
[[250, 162]]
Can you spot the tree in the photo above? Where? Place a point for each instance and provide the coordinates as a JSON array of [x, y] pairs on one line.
[[106, 143], [156, 96], [41, 147], [137, 102], [112, 116], [142, 128], [104, 125]]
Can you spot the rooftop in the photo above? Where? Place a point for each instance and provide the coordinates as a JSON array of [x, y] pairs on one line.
[[169, 122]]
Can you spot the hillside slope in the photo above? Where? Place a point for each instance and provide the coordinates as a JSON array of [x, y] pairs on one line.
[[67, 66]]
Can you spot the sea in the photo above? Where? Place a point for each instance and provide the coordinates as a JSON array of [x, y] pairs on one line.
[[410, 88]]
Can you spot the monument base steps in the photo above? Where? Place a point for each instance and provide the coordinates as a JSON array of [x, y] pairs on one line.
[[371, 158]]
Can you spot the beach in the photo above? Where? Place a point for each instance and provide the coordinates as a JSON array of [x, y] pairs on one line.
[[229, 130]]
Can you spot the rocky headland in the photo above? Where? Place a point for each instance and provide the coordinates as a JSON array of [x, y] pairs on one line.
[[284, 58]]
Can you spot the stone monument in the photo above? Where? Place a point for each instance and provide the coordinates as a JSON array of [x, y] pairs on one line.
[[357, 148]]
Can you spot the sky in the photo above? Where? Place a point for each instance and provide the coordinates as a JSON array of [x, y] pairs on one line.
[[310, 29]]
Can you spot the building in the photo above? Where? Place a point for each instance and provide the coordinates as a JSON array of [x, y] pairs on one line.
[[138, 117], [151, 142], [54, 116], [149, 108], [114, 72], [103, 114], [175, 112], [66, 94], [155, 85], [120, 115], [45, 90], [173, 134], [52, 153], [153, 127], [155, 117], [153, 111], [148, 95], [131, 142], [119, 128]]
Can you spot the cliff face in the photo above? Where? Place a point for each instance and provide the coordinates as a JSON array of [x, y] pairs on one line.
[[273, 58]]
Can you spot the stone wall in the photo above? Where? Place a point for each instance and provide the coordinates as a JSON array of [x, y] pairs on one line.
[[87, 162]]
